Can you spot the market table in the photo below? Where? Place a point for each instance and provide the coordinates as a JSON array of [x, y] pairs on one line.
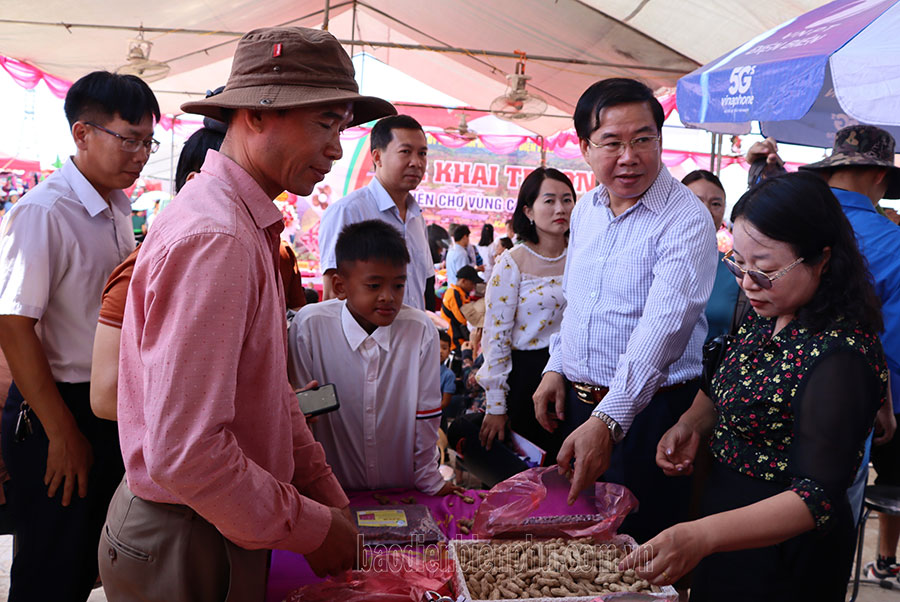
[[290, 570]]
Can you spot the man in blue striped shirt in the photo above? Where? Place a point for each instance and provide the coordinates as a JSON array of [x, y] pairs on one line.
[[640, 268]]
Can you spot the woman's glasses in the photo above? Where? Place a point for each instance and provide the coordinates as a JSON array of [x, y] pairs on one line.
[[761, 279]]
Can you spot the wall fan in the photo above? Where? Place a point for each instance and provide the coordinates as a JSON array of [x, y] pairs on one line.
[[462, 130], [518, 104], [139, 62]]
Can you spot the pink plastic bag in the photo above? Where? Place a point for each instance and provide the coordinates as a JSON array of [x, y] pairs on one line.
[[394, 576], [535, 502]]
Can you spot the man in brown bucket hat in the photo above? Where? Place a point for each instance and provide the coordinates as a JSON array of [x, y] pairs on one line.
[[861, 172], [220, 464]]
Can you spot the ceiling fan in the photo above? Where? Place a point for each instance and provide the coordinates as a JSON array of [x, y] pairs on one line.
[[139, 63], [518, 104], [462, 130]]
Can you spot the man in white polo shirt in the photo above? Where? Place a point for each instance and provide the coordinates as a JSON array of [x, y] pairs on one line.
[[57, 248]]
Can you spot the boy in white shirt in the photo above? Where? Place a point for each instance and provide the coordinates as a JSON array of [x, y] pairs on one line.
[[382, 357]]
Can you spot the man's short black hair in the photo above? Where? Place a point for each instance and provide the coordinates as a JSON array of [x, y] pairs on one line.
[[609, 93], [370, 240], [100, 95], [382, 131], [460, 232], [444, 336]]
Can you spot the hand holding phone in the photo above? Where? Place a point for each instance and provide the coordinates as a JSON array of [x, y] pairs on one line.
[[318, 400]]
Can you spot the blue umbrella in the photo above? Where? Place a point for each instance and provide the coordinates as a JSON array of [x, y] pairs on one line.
[[834, 66]]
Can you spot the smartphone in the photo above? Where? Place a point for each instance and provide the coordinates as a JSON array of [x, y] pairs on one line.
[[317, 401]]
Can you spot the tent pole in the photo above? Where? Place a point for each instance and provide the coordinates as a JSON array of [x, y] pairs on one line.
[[712, 152], [353, 30], [325, 16], [172, 159], [719, 156], [542, 140], [235, 35]]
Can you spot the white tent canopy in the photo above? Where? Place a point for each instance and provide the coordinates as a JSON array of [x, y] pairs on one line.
[[569, 43]]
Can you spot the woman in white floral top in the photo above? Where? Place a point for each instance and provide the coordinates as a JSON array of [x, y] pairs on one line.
[[524, 306]]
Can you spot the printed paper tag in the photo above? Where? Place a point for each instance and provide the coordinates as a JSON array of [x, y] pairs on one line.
[[381, 518]]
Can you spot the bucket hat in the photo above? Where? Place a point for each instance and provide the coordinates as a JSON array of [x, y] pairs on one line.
[[863, 146], [287, 68]]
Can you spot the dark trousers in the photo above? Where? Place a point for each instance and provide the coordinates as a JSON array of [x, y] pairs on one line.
[[56, 557], [663, 500], [524, 378]]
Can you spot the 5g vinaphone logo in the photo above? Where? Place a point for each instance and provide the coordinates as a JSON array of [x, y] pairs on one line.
[[740, 79], [737, 100]]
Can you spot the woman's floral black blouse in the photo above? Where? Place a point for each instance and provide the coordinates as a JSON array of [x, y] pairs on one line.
[[771, 417]]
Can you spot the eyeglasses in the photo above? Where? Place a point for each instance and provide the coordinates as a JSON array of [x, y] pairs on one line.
[[130, 145], [762, 279], [641, 144]]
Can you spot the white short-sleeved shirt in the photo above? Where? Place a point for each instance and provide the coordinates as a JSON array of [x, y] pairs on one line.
[[58, 246], [373, 202]]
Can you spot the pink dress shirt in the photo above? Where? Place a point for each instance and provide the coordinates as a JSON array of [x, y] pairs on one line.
[[206, 415]]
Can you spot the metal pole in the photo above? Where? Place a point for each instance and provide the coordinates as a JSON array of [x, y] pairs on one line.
[[719, 156], [543, 151], [353, 30], [235, 35], [712, 152], [325, 16], [172, 159]]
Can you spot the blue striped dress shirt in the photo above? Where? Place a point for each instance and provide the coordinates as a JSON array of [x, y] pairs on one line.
[[636, 286]]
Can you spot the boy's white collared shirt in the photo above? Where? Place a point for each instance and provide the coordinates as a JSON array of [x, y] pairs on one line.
[[388, 383]]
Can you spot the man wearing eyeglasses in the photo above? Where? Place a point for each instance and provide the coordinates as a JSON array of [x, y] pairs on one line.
[[640, 269], [57, 247]]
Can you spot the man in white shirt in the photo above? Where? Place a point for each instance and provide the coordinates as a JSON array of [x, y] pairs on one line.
[[383, 358], [400, 153], [57, 247]]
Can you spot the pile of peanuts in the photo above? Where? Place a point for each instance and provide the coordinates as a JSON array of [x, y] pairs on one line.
[[551, 568]]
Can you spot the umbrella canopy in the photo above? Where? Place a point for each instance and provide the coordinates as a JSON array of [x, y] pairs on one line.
[[805, 79]]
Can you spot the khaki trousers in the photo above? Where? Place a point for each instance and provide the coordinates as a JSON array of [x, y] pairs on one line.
[[152, 552]]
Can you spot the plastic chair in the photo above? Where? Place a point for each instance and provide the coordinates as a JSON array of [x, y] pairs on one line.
[[883, 499]]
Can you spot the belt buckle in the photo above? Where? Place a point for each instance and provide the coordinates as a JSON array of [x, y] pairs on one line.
[[585, 393]]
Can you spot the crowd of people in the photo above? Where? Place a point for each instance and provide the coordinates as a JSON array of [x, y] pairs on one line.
[[152, 432]]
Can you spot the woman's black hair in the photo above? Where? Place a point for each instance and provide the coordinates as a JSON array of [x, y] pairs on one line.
[[800, 210], [194, 151], [702, 174], [528, 193], [487, 235], [438, 240]]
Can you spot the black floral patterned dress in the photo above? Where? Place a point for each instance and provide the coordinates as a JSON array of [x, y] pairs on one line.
[[794, 411]]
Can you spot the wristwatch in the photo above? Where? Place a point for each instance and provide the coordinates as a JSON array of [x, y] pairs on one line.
[[615, 431]]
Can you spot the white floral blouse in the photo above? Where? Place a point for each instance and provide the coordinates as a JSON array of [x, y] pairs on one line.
[[524, 305]]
